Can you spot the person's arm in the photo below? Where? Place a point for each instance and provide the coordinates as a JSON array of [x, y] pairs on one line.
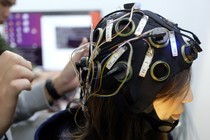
[[15, 75], [67, 80], [38, 98], [29, 102]]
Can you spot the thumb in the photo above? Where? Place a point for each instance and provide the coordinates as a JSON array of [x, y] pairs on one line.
[[84, 41]]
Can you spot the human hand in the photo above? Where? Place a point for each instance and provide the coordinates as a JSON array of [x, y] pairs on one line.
[[67, 79], [15, 76]]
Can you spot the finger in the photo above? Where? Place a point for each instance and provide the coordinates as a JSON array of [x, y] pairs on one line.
[[21, 61], [84, 41], [6, 54], [83, 51], [19, 72], [20, 84], [13, 58]]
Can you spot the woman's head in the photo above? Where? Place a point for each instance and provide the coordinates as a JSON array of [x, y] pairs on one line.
[[137, 59], [107, 119]]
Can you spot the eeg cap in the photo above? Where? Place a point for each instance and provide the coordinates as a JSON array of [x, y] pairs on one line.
[[139, 50]]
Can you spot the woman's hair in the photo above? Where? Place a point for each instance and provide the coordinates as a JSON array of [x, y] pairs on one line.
[[177, 85], [105, 120]]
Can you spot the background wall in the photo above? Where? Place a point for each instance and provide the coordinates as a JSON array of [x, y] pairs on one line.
[[190, 14]]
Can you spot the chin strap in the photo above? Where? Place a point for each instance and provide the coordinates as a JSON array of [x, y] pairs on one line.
[[159, 125]]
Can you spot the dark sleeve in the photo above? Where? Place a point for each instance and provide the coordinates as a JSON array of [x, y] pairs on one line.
[[3, 45]]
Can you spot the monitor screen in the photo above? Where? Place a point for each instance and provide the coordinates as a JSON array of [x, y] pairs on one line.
[[22, 32], [48, 38], [70, 37]]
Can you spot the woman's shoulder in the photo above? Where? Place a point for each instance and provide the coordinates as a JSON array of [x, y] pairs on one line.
[[57, 127]]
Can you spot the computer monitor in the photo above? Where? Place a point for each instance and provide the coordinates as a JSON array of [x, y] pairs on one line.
[[47, 39]]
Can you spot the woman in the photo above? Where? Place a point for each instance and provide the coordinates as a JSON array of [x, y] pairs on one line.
[[135, 82]]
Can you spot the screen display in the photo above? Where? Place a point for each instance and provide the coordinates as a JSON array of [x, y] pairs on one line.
[[35, 35], [70, 37], [24, 35]]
